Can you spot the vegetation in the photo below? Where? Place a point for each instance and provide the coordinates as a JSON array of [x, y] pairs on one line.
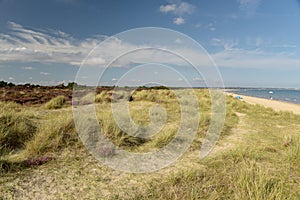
[[16, 127], [4, 84], [257, 156], [56, 103]]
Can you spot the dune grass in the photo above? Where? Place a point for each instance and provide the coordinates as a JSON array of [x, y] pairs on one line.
[[56, 103], [16, 127], [258, 158]]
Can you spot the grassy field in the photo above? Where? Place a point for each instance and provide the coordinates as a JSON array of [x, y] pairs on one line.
[[42, 157]]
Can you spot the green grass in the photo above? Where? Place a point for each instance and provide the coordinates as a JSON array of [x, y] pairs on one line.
[[256, 157]]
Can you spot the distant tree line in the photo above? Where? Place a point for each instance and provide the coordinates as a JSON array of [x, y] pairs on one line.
[[72, 85], [6, 84]]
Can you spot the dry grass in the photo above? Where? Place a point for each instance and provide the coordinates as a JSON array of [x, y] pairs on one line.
[[56, 103], [262, 163]]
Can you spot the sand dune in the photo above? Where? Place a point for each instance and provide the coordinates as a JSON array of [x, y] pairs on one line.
[[276, 105]]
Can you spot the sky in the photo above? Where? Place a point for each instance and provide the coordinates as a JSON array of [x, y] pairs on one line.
[[251, 43]]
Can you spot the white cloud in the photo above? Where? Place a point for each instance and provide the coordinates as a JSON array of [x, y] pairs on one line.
[[93, 61], [114, 79], [11, 78], [226, 44], [179, 9], [178, 41], [211, 26], [59, 47], [197, 79], [167, 8], [28, 45], [27, 68], [257, 59], [178, 21], [184, 8], [45, 73]]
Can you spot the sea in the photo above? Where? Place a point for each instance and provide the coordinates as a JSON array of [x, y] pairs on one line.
[[288, 95]]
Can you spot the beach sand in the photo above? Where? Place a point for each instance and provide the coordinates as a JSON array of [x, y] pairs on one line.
[[276, 105]]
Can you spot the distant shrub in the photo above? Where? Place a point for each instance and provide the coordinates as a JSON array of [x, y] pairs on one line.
[[56, 102], [16, 127]]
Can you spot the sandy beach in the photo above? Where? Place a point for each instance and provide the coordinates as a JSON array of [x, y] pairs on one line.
[[276, 105]]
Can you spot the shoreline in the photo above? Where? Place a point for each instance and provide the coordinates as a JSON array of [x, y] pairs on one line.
[[275, 104]]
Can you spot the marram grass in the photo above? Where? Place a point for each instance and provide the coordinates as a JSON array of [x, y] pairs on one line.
[[256, 157]]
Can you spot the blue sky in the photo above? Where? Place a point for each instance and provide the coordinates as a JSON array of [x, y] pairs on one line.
[[254, 43]]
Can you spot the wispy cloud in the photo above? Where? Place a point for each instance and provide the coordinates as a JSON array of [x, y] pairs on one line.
[[29, 45], [249, 6], [211, 26], [178, 9], [26, 45], [45, 73], [27, 68], [258, 53]]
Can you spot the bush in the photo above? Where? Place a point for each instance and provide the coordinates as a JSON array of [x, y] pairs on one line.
[[56, 102]]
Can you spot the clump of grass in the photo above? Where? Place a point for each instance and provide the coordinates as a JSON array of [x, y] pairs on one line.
[[56, 103], [55, 133], [160, 96], [7, 166], [294, 151], [112, 131], [103, 97], [118, 95], [164, 137], [253, 181], [89, 98], [16, 127]]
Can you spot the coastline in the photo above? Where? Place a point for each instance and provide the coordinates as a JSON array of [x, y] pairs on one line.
[[276, 105]]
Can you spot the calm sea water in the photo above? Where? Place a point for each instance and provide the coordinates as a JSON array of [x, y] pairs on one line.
[[289, 95]]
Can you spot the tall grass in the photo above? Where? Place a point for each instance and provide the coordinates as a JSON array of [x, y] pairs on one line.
[[104, 97], [56, 103], [262, 162], [53, 134], [16, 127]]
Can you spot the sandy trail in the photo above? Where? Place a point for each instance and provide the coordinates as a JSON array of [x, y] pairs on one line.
[[276, 105]]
